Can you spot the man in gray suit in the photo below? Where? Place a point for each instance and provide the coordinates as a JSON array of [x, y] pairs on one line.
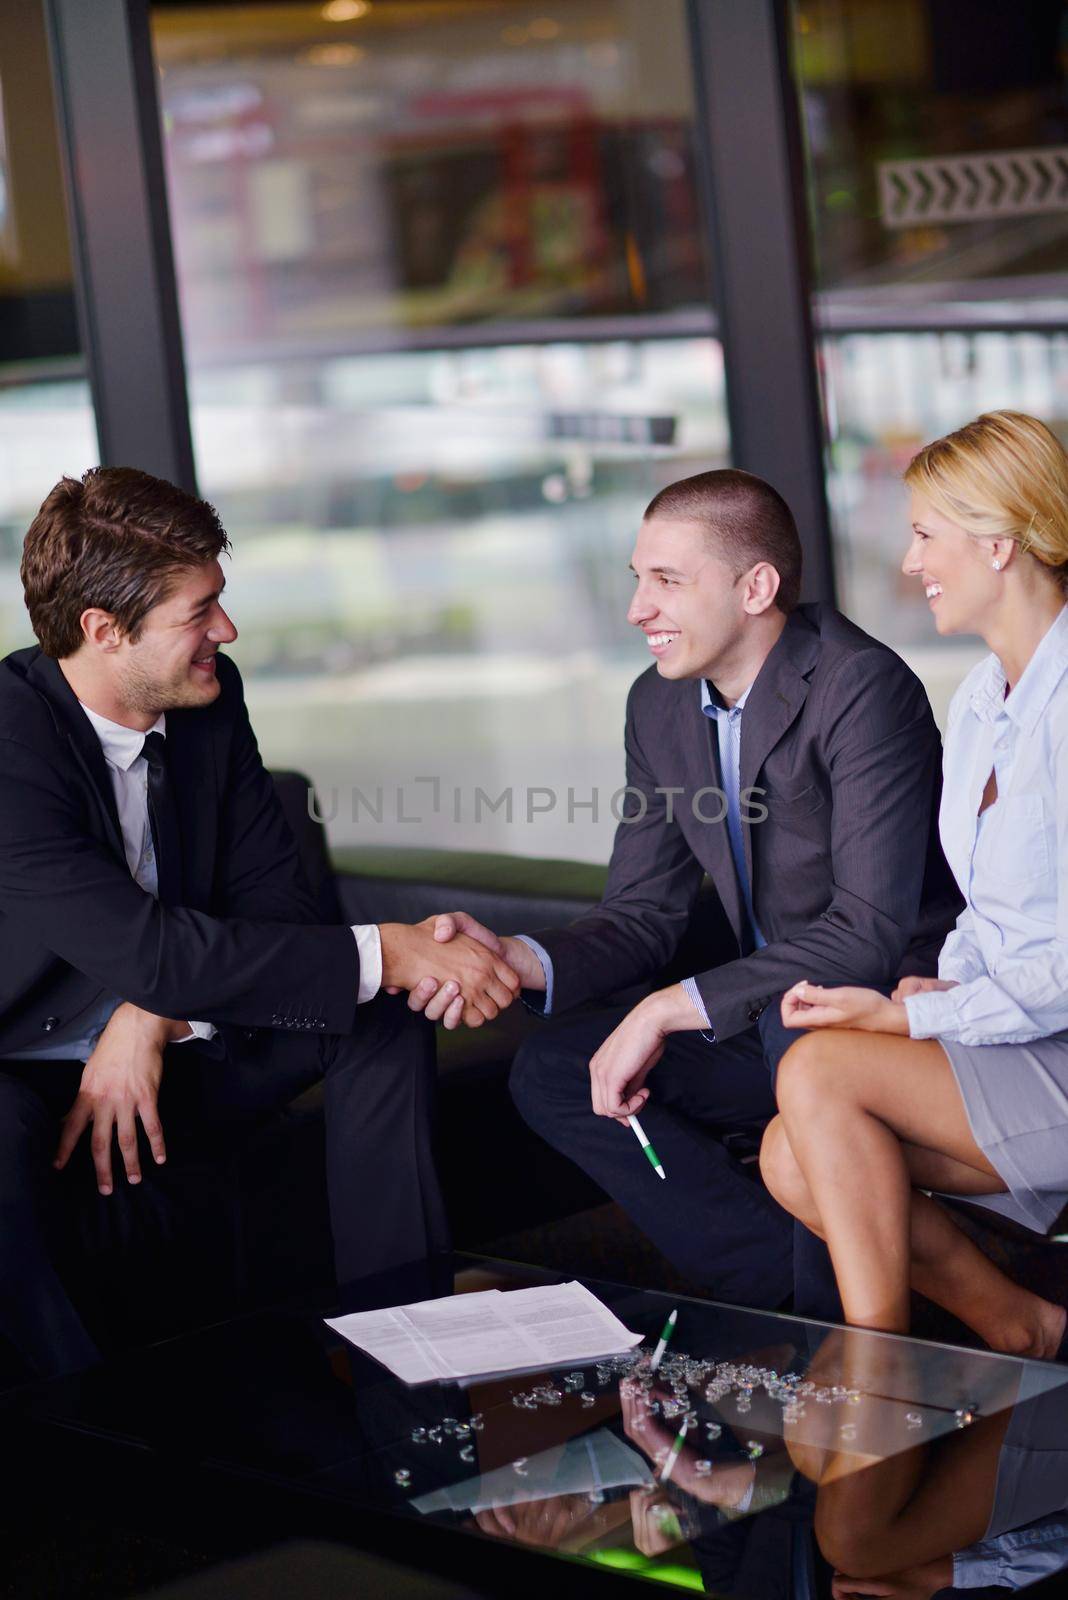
[[794, 760]]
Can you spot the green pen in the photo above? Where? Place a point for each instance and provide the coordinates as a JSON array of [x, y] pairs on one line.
[[674, 1453], [653, 1158], [669, 1329]]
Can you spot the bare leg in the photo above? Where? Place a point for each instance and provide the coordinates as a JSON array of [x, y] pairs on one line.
[[866, 1116], [945, 1265]]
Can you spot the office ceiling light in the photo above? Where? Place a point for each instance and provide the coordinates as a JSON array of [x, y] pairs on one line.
[[345, 10]]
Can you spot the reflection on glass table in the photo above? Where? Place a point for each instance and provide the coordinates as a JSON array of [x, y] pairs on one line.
[[763, 1456]]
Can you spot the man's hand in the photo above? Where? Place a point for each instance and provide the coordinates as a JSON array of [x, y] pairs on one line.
[[476, 979], [620, 1067], [120, 1082], [809, 1005], [909, 986], [725, 1486], [441, 1002]]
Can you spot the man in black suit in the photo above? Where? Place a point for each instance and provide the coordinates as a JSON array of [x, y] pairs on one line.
[[795, 761], [148, 877]]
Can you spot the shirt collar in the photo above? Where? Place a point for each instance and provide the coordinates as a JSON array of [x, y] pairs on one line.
[[1040, 678], [122, 746], [712, 708]]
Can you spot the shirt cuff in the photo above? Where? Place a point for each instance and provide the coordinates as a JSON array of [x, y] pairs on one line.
[[707, 1031], [979, 1012], [546, 966], [747, 1498], [197, 1030], [369, 947], [976, 1569]]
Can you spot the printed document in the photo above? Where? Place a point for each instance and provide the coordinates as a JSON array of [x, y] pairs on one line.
[[472, 1335]]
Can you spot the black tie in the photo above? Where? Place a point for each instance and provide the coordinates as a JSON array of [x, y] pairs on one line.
[[163, 819]]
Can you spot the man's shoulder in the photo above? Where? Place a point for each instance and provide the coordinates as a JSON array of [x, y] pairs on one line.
[[841, 648], [25, 715]]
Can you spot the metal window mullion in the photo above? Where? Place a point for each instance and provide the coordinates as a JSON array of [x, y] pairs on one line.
[[117, 201], [752, 177]]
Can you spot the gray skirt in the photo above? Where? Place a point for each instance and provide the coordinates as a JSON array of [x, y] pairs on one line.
[[1016, 1098]]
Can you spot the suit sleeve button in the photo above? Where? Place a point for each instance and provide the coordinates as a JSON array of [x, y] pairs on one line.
[[49, 1023]]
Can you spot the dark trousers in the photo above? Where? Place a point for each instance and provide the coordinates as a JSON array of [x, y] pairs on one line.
[[711, 1217], [386, 1209]]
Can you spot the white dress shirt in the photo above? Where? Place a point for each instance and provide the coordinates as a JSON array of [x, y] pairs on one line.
[[128, 771], [1009, 951]]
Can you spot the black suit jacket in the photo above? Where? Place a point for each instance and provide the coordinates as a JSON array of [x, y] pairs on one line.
[[242, 948], [848, 877]]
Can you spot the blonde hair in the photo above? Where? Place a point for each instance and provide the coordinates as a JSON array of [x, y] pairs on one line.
[[1003, 476]]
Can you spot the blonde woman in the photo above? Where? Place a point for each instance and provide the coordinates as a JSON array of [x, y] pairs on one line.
[[960, 1084]]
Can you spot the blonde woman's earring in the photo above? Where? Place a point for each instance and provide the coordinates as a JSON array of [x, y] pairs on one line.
[[996, 564]]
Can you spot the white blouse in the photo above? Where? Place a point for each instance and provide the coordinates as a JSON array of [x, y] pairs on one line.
[[1009, 950]]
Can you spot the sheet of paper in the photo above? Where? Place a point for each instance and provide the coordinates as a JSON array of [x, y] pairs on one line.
[[568, 1323], [392, 1338], [468, 1335], [468, 1338]]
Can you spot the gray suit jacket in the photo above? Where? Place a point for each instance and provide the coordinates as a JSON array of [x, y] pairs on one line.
[[849, 882]]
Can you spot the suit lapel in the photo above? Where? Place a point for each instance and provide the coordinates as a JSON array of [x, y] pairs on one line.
[[46, 677], [778, 693], [192, 764]]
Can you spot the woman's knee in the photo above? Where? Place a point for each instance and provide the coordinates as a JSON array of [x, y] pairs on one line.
[[780, 1171], [802, 1073]]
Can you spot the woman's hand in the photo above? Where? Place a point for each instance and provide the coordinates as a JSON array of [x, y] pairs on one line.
[[809, 1005], [909, 986]]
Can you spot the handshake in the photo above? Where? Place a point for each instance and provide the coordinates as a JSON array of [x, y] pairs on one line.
[[454, 969]]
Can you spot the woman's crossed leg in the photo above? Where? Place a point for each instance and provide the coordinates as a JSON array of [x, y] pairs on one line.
[[868, 1121]]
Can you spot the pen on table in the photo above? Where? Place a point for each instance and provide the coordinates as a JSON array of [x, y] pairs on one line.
[[668, 1330], [673, 1454], [653, 1158]]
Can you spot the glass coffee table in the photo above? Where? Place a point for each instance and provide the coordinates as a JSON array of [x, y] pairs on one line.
[[762, 1456]]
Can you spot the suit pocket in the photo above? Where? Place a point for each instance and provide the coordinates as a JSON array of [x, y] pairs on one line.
[[798, 803]]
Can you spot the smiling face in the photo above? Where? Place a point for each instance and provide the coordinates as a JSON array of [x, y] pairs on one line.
[[955, 568], [687, 600], [172, 663]]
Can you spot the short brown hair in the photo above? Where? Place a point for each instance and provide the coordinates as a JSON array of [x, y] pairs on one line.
[[745, 520], [115, 539]]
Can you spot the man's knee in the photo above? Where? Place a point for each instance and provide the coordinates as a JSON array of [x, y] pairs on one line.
[[386, 1031], [546, 1074], [524, 1079], [28, 1130]]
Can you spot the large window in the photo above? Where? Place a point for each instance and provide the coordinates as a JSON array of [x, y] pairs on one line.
[[447, 318], [937, 134], [46, 417]]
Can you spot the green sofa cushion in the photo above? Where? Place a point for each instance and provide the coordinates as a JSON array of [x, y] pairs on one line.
[[522, 876]]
